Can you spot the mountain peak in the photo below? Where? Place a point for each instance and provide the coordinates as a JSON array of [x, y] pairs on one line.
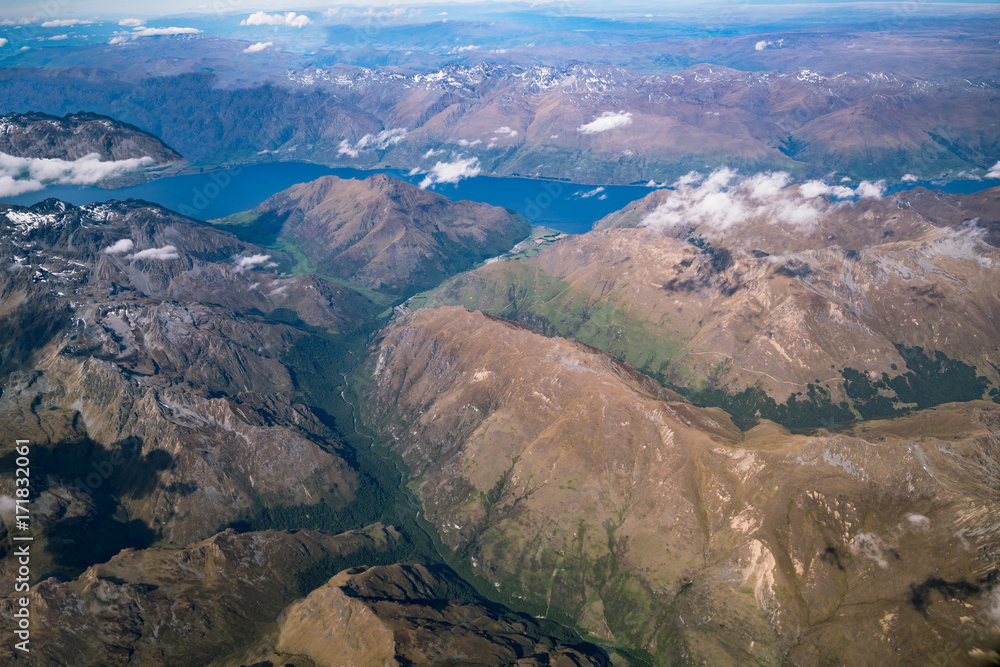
[[388, 234], [383, 181]]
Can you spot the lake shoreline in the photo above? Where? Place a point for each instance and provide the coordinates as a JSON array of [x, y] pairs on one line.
[[222, 190]]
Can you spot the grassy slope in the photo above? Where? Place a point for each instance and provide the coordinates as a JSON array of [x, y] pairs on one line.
[[553, 307]]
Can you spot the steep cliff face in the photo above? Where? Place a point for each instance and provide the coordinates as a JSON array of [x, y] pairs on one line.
[[183, 606], [382, 232], [577, 486], [40, 135]]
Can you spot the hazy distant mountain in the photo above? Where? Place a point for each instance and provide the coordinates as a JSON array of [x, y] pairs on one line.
[[582, 121]]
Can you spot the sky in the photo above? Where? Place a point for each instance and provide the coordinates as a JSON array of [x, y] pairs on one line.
[[71, 8], [62, 9]]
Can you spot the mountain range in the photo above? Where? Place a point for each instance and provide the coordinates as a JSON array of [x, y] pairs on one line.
[[580, 121], [795, 411], [175, 381], [869, 308], [750, 418]]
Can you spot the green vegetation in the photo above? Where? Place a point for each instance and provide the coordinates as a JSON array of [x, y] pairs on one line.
[[799, 413], [264, 228], [550, 306], [927, 382], [593, 570], [253, 226]]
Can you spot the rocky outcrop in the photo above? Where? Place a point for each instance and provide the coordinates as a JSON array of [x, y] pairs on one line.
[[40, 135]]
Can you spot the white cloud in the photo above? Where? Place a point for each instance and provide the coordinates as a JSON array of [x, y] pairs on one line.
[[723, 200], [259, 46], [118, 247], [463, 49], [719, 179], [131, 23], [252, 261], [21, 174], [431, 153], [8, 507], [3, 41], [153, 32], [65, 23], [451, 172], [689, 178], [506, 131], [762, 187], [11, 187], [869, 190], [609, 120], [871, 546], [994, 171], [591, 193], [370, 142], [466, 142], [813, 189], [164, 253], [56, 38], [909, 178], [290, 19], [765, 44]]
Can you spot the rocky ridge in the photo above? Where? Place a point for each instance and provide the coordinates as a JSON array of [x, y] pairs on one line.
[[576, 486]]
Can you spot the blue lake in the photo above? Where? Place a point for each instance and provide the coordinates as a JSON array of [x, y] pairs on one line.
[[214, 194], [555, 204]]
